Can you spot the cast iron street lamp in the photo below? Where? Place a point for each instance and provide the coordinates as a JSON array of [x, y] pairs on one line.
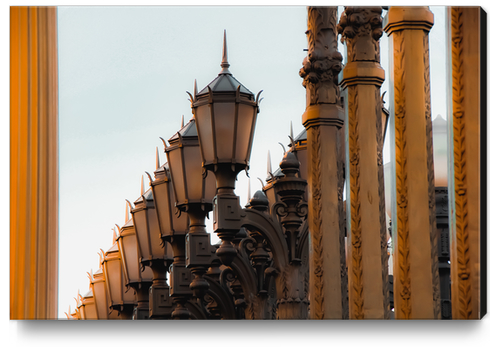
[[136, 276], [153, 251], [119, 297], [194, 192], [225, 113]]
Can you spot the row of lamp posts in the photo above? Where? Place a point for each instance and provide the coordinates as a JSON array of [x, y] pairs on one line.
[[167, 232]]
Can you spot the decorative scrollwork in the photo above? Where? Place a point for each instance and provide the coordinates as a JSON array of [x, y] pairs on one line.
[[464, 306], [403, 248], [361, 23]]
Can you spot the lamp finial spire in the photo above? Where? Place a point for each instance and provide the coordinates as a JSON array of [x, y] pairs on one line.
[[224, 62]]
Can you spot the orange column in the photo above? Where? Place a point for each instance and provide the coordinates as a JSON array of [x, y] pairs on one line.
[[33, 163], [464, 188]]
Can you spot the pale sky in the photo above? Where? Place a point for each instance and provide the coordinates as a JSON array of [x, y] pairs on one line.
[[123, 77]]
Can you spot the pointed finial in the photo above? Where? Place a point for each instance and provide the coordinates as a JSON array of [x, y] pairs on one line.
[[195, 89], [126, 213], [142, 185], [114, 235], [224, 61], [158, 159], [291, 130], [182, 123]]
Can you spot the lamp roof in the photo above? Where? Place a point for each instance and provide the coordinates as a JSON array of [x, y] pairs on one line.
[[148, 196], [129, 223], [225, 82], [188, 131]]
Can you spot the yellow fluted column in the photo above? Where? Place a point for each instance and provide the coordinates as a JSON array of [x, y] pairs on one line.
[[323, 120], [464, 36], [415, 272], [33, 163], [367, 260]]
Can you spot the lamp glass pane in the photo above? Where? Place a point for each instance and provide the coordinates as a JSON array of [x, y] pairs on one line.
[[161, 198], [90, 311], [114, 276], [100, 297], [129, 253], [244, 131], [156, 249], [203, 119], [193, 172], [175, 163], [139, 219], [224, 122]]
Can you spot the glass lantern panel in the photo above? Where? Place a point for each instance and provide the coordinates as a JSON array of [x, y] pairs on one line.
[[161, 198], [156, 248], [224, 123], [193, 172], [175, 163], [129, 253], [244, 131], [101, 299], [140, 224], [203, 119], [90, 311], [114, 278]]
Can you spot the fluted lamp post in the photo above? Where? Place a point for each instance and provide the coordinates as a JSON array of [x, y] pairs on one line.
[[174, 225], [225, 113], [153, 251], [119, 297], [136, 276], [194, 191]]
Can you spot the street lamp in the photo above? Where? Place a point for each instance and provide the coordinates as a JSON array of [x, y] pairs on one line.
[[225, 113], [119, 297], [136, 276], [153, 251], [174, 225], [194, 190], [99, 291]]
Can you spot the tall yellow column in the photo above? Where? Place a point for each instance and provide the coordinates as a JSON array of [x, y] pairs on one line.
[[415, 272], [464, 36], [323, 120], [33, 163], [367, 259]]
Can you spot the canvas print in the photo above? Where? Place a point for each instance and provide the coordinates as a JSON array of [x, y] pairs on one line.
[[247, 163]]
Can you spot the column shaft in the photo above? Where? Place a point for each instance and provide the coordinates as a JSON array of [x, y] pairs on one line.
[[367, 260], [324, 120], [464, 164], [33, 163], [416, 277]]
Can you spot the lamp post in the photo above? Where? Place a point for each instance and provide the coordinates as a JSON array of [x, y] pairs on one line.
[[225, 113], [136, 276], [193, 194], [153, 251], [119, 297], [174, 225]]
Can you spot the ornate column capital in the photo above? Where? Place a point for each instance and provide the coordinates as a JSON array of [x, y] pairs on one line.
[[324, 62], [361, 27], [402, 18]]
